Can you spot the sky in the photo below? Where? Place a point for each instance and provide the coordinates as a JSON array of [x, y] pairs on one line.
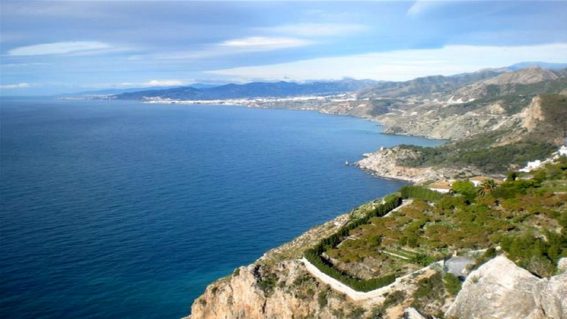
[[52, 47]]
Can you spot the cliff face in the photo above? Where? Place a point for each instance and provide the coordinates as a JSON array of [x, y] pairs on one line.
[[284, 290], [497, 290]]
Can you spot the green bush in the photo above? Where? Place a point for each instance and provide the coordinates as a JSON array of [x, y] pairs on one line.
[[322, 299], [452, 284], [423, 259], [420, 192], [466, 189], [534, 253], [429, 287]]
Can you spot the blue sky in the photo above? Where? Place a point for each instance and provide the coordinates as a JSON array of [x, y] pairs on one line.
[[68, 46]]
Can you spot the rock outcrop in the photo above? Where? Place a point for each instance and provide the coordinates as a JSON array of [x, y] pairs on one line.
[[411, 313], [532, 115], [385, 163], [500, 289], [249, 294]]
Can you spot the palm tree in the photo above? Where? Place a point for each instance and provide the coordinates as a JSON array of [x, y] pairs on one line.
[[486, 187]]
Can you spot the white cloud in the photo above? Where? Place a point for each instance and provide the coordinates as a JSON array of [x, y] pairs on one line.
[[403, 64], [229, 47], [264, 43], [317, 29], [421, 6], [59, 48], [22, 85], [150, 83], [163, 83]]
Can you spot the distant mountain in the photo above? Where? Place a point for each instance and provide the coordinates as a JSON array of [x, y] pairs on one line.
[[529, 81], [427, 85], [115, 91], [543, 65], [254, 89]]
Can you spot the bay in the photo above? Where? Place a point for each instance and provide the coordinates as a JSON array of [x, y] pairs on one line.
[[115, 209]]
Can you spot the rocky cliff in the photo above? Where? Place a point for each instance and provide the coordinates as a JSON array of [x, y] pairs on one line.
[[499, 290]]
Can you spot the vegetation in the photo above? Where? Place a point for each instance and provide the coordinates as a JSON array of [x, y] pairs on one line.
[[394, 298], [452, 284], [486, 151], [429, 290], [419, 192], [478, 153], [322, 299], [525, 215], [314, 254], [267, 283]]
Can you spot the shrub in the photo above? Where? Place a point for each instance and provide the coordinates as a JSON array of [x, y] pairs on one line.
[[322, 299], [423, 259], [535, 254], [452, 284], [429, 288], [465, 188], [420, 192], [394, 298]]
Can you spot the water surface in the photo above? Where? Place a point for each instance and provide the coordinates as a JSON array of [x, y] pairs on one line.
[[127, 210]]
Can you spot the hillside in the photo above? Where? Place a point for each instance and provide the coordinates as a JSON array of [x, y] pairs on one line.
[[423, 250]]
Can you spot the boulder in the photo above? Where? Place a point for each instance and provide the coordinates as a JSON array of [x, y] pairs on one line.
[[500, 289]]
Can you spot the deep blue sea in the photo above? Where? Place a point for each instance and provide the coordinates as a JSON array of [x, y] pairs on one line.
[[127, 210]]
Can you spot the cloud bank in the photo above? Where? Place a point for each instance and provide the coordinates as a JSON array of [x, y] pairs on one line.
[[59, 48], [401, 65], [22, 85]]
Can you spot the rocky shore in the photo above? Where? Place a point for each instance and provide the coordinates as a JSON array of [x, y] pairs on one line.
[[385, 163]]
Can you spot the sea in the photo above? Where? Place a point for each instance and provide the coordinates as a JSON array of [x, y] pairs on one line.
[[120, 209]]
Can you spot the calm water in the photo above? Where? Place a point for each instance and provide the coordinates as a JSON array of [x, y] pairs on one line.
[[126, 210]]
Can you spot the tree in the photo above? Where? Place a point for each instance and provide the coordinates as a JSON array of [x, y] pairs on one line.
[[486, 187], [464, 188], [512, 176]]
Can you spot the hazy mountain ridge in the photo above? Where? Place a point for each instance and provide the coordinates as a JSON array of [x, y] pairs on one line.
[[253, 90]]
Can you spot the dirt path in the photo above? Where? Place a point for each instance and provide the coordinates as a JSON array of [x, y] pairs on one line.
[[377, 295]]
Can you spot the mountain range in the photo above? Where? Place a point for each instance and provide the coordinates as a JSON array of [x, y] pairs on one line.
[[365, 89], [253, 90]]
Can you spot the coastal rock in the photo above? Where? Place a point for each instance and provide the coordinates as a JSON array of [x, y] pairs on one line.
[[284, 290], [500, 289], [385, 163]]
